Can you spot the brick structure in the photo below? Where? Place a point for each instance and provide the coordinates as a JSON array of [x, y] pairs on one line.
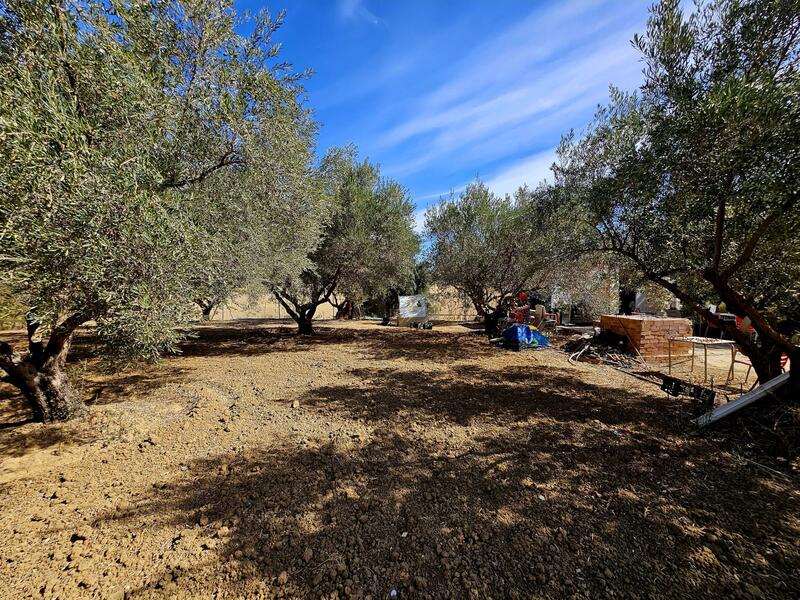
[[650, 335]]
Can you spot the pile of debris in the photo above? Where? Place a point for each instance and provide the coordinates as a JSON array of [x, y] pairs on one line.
[[603, 347]]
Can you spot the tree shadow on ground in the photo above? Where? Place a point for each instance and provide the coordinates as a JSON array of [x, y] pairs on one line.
[[236, 338], [19, 434], [255, 337], [553, 488], [103, 386], [242, 338], [123, 386], [413, 345], [23, 437], [545, 510], [463, 482], [463, 394]]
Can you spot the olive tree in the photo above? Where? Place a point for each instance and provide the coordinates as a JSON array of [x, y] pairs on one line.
[[695, 179], [260, 226], [368, 243], [586, 282], [258, 207], [117, 120], [491, 248]]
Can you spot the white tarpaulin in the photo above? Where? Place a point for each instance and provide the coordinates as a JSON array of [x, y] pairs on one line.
[[413, 307]]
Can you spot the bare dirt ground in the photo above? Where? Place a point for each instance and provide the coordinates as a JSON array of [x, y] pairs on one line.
[[368, 460]]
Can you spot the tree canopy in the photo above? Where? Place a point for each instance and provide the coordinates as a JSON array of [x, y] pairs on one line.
[[491, 248], [135, 139], [368, 243], [695, 178]]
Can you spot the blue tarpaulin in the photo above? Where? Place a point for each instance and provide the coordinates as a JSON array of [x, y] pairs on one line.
[[526, 336]]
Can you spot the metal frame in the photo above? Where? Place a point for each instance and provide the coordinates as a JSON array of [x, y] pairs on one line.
[[705, 342]]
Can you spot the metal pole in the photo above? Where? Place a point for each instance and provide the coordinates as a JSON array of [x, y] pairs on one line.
[[733, 357], [669, 352]]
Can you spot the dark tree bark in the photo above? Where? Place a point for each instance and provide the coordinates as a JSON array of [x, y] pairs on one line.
[[40, 374], [207, 312], [207, 307], [491, 319], [302, 312], [345, 309], [491, 316], [490, 307], [305, 325], [305, 318], [392, 300]]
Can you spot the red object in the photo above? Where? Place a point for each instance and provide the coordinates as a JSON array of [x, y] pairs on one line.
[[523, 297], [520, 315], [739, 325], [746, 362]]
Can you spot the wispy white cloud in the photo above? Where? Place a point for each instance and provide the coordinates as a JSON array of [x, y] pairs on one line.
[[529, 171], [498, 72], [501, 125], [530, 44], [356, 10], [518, 91], [427, 198]]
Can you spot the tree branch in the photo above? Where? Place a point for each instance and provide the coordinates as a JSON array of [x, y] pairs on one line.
[[719, 231], [35, 346], [62, 332], [331, 288], [751, 245], [72, 79], [745, 307], [292, 313], [734, 300], [227, 159]]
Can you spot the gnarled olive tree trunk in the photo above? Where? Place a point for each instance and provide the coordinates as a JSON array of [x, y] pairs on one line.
[[765, 355], [491, 312], [40, 374], [207, 313], [301, 312], [344, 310], [207, 307], [491, 320], [305, 322]]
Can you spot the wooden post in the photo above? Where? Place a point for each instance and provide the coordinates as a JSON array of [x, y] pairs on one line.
[[705, 362]]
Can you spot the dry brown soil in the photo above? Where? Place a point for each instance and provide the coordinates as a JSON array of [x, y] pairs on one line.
[[366, 460]]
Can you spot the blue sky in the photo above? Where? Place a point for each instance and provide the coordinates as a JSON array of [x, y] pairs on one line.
[[438, 92]]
